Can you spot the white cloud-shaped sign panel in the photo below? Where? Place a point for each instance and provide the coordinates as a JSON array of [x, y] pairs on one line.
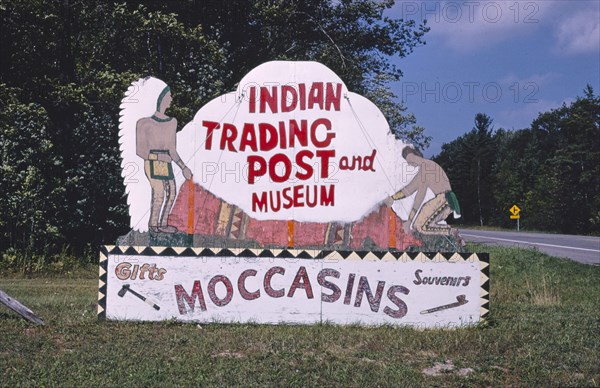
[[293, 143]]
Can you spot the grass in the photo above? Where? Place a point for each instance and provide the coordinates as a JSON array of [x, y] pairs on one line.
[[543, 330]]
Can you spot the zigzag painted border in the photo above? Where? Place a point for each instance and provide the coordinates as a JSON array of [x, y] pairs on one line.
[[102, 278], [327, 255], [290, 253], [484, 263]]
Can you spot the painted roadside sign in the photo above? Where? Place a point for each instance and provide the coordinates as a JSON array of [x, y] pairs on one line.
[[290, 158], [288, 200], [292, 142], [293, 286]]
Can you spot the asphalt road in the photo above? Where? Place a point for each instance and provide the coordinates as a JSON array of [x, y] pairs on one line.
[[583, 249]]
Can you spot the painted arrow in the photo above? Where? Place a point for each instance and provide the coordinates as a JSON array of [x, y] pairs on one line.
[[461, 299]]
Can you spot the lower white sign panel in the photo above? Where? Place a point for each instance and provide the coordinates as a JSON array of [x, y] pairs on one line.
[[293, 286]]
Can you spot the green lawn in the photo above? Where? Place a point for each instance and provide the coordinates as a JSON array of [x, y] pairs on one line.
[[543, 330]]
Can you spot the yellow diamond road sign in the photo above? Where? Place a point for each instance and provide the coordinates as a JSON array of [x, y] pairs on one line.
[[515, 210]]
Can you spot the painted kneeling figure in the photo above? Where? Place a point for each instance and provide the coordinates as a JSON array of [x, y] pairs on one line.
[[428, 217]]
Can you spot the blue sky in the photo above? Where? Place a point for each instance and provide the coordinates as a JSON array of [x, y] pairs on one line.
[[508, 59]]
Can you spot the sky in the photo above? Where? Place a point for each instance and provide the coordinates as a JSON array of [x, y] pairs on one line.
[[508, 59]]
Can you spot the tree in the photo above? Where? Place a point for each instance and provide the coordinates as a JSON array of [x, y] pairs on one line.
[[353, 38], [565, 196], [483, 152], [510, 174], [402, 124], [76, 81], [468, 161], [551, 170], [30, 193]]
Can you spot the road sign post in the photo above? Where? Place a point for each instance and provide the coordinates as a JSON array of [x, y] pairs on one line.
[[514, 210]]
